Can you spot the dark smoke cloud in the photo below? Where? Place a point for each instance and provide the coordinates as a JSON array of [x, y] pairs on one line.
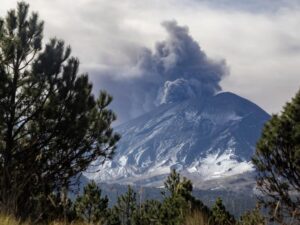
[[176, 70]]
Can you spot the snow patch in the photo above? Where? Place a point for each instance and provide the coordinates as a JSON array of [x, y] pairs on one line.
[[216, 166], [123, 160]]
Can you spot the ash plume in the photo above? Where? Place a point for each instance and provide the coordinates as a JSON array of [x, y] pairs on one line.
[[176, 70]]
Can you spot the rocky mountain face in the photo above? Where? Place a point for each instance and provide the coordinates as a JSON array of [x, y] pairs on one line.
[[208, 140]]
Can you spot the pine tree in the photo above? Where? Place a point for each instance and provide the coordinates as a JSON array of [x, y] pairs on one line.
[[112, 217], [173, 210], [91, 207], [220, 215], [51, 125], [253, 217], [150, 213], [181, 201], [179, 186], [56, 208], [277, 160], [127, 207], [172, 182]]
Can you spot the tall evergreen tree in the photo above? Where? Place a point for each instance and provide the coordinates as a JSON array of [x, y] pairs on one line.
[[112, 217], [277, 160], [253, 217], [150, 213], [173, 210], [51, 126], [179, 186], [177, 205], [181, 201], [220, 215], [91, 207], [126, 207], [172, 182]]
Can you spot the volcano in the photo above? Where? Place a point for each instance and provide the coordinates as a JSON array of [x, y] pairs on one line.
[[208, 139]]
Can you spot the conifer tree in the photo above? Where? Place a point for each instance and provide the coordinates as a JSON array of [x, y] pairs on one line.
[[150, 213], [112, 217], [126, 207], [181, 201], [173, 210], [172, 182], [51, 125], [177, 186], [220, 215], [253, 217], [277, 160], [91, 207], [56, 208]]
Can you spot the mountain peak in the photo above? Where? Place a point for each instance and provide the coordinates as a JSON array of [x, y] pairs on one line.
[[204, 138]]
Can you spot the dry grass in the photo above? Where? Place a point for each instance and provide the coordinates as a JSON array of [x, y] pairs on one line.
[[197, 218], [9, 220], [72, 223], [63, 223]]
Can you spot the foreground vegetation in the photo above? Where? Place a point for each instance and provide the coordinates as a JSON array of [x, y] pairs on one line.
[[52, 128], [178, 207], [51, 125]]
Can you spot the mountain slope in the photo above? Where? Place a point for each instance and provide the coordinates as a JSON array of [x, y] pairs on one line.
[[204, 139]]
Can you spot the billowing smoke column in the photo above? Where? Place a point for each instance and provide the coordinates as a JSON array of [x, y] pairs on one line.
[[176, 70]]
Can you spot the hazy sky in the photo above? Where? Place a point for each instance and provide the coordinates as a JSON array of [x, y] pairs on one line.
[[258, 41]]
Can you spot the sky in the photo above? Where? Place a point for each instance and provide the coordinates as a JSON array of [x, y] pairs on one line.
[[144, 51]]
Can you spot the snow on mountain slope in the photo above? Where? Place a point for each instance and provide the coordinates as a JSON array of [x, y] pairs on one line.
[[208, 139]]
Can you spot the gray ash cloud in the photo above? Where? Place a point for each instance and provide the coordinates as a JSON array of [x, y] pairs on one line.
[[176, 70]]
